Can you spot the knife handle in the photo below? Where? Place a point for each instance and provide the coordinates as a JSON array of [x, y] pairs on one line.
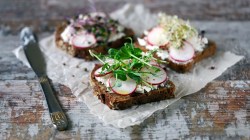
[[57, 116]]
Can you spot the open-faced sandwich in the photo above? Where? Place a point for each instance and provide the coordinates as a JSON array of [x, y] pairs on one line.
[[130, 77], [95, 31], [177, 42]]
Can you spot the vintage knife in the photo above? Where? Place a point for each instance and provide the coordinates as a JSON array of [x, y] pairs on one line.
[[37, 63]]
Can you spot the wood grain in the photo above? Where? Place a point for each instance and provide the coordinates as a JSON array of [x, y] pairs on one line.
[[221, 110], [44, 15], [218, 111]]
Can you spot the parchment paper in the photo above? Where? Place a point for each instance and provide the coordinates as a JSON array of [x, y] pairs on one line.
[[69, 71]]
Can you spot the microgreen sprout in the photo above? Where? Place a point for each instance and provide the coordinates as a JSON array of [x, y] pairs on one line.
[[128, 62], [177, 29]]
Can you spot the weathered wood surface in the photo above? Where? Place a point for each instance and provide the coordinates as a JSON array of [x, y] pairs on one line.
[[45, 14], [58, 9], [221, 110], [215, 112]]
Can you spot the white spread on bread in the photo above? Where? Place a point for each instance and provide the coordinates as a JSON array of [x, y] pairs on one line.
[[176, 31], [198, 43], [143, 88], [140, 88], [151, 81], [103, 79], [98, 23], [163, 54]]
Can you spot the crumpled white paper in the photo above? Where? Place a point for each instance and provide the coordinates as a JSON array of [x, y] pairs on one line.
[[64, 69]]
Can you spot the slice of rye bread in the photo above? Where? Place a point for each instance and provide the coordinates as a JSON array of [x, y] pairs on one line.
[[84, 53], [120, 102], [208, 51]]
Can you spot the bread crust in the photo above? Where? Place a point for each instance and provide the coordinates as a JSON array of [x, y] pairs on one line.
[[208, 51], [120, 102], [84, 53]]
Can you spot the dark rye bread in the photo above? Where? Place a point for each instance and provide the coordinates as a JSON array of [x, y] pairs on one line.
[[120, 102], [84, 53], [208, 51]]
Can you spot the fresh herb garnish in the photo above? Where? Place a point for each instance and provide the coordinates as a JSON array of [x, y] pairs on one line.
[[177, 29], [127, 61]]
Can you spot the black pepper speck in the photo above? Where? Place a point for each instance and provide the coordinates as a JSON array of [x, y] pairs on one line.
[[212, 67]]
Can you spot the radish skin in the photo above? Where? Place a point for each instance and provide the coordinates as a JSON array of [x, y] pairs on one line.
[[154, 78], [183, 54], [157, 37], [83, 40], [124, 88], [98, 73]]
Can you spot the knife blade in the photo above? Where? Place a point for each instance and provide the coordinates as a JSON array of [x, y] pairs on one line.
[[38, 64]]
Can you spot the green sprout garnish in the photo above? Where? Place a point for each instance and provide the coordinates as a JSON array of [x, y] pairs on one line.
[[128, 61], [176, 29]]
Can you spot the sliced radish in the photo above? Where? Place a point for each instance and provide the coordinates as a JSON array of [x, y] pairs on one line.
[[154, 76], [183, 54], [67, 33], [98, 73], [122, 87], [83, 40], [157, 36]]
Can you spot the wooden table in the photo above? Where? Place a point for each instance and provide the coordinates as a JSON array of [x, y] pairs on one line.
[[221, 110]]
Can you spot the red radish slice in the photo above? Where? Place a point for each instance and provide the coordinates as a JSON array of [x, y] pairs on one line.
[[122, 87], [183, 54], [157, 36], [155, 77], [83, 40], [98, 73]]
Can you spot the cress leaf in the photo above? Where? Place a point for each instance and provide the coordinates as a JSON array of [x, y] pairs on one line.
[[136, 65], [137, 52], [120, 74], [127, 61], [134, 76], [113, 53]]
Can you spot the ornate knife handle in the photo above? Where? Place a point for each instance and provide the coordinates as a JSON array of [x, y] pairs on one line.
[[59, 120], [57, 116]]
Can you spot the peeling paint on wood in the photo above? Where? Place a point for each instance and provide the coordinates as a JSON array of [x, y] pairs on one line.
[[205, 113], [218, 111]]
